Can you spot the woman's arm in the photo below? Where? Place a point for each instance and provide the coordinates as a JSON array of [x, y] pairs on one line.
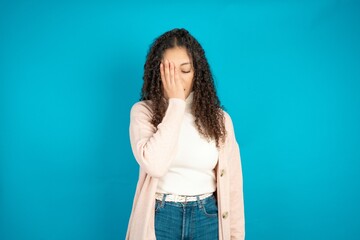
[[237, 216], [154, 149]]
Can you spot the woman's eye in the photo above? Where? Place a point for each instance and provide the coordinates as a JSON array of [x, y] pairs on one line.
[[185, 71]]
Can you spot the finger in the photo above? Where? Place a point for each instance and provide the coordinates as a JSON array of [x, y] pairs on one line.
[[167, 72], [177, 77], [162, 74], [172, 73]]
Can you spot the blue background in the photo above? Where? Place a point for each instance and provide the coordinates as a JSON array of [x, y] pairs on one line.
[[288, 72]]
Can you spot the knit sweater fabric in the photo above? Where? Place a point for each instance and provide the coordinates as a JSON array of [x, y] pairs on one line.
[[192, 170]]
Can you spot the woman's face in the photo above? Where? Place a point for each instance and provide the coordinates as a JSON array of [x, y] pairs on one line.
[[183, 64]]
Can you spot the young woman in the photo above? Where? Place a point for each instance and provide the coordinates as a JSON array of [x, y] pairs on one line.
[[190, 179]]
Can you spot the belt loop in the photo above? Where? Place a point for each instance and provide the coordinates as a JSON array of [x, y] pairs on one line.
[[199, 201], [163, 199]]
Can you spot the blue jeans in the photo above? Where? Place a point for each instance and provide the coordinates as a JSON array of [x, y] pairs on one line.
[[193, 220]]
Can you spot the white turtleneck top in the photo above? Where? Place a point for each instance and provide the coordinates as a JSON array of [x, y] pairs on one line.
[[192, 170]]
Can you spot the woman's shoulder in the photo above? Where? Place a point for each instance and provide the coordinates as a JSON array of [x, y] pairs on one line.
[[226, 114], [228, 120], [141, 107], [145, 106]]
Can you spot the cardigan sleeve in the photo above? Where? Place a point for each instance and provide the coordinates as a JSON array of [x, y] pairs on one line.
[[154, 149], [237, 216]]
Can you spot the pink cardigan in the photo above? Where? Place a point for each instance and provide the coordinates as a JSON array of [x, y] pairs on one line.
[[154, 151]]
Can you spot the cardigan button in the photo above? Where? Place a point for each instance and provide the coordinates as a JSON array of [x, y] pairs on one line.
[[225, 215], [222, 172]]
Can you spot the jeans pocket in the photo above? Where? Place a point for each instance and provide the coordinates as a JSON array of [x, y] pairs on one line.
[[210, 208]]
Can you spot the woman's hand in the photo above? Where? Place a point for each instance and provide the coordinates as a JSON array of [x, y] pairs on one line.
[[172, 85]]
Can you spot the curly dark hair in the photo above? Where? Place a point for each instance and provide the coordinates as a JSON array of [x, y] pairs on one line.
[[209, 117]]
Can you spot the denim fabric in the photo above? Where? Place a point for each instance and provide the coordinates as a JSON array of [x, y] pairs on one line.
[[195, 220]]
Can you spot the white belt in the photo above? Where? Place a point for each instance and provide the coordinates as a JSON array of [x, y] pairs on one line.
[[180, 198]]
